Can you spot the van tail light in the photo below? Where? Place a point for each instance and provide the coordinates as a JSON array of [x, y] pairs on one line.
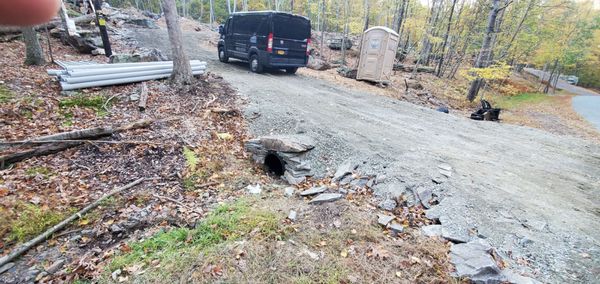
[[308, 42], [270, 43]]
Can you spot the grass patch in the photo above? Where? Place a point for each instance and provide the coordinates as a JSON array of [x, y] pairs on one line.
[[200, 168], [5, 94], [32, 221], [225, 224], [512, 102], [34, 171], [92, 102]]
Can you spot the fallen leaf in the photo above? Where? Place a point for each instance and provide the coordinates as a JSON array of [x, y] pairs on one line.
[[224, 136], [398, 274], [3, 192], [344, 253]]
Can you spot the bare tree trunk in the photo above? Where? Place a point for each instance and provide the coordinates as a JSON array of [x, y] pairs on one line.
[[346, 18], [182, 71], [439, 68], [292, 6], [484, 58], [549, 82], [212, 12], [201, 11], [514, 36], [34, 54], [322, 28], [400, 16]]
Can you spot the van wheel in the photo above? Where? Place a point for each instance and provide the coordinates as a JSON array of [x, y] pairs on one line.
[[255, 65], [291, 70], [223, 56]]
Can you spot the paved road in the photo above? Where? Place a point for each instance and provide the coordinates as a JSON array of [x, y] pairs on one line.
[[532, 194], [587, 103]]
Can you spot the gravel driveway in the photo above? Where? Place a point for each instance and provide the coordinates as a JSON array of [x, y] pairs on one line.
[[532, 194]]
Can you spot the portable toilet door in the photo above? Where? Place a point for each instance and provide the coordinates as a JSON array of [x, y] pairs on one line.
[[377, 54]]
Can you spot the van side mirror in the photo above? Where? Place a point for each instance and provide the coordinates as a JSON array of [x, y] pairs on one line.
[[221, 30]]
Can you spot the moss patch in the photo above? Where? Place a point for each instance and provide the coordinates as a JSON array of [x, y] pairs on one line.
[[33, 220], [95, 102], [5, 94]]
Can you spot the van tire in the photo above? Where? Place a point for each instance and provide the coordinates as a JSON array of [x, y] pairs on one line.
[[291, 70], [255, 65], [223, 55]]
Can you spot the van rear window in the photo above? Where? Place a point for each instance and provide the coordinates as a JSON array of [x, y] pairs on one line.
[[291, 27]]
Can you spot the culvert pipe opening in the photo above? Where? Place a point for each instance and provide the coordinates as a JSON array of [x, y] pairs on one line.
[[274, 164]]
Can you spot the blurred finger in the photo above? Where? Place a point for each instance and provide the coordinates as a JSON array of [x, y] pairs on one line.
[[27, 12]]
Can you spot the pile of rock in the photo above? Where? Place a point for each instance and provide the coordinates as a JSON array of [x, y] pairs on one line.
[[283, 155], [336, 43]]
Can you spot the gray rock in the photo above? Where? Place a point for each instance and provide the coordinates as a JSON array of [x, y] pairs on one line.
[[473, 260], [325, 197], [289, 191], [116, 228], [344, 169], [98, 51], [56, 266], [291, 179], [292, 216], [432, 230], [383, 219], [346, 179], [370, 183], [287, 143], [445, 167], [317, 64], [455, 235], [512, 277], [313, 191], [446, 173], [396, 228], [388, 204], [141, 55], [144, 23], [359, 183], [424, 194], [254, 189], [7, 267]]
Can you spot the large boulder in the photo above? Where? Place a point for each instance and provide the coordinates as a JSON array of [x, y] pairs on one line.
[[141, 55]]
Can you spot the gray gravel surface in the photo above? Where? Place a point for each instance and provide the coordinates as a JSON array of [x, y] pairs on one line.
[[533, 195]]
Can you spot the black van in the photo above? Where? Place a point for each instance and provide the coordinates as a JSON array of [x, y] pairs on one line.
[[266, 39]]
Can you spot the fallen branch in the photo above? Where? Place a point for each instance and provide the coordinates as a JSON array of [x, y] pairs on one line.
[[12, 144], [28, 245], [75, 138]]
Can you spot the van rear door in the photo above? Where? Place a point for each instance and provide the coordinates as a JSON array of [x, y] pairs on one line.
[[290, 39]]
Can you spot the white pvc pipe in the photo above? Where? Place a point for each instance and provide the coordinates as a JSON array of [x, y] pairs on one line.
[[67, 87], [74, 80], [118, 65], [104, 71]]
